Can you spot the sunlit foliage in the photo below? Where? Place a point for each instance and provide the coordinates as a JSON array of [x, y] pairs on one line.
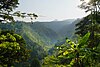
[[12, 48], [74, 55]]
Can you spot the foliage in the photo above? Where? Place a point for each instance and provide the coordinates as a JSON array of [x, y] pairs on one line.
[[7, 13], [86, 25], [7, 6], [90, 23], [92, 5], [74, 55], [35, 63], [12, 48]]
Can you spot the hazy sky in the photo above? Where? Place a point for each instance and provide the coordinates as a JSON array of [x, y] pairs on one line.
[[52, 9]]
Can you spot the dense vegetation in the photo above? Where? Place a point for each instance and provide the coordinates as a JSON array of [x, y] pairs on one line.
[[41, 44], [12, 48]]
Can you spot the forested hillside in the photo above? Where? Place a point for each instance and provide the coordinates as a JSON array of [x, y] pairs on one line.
[[42, 32]]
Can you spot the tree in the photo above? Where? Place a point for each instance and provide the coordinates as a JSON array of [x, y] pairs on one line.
[[6, 7], [94, 7], [6, 11], [90, 23], [12, 48]]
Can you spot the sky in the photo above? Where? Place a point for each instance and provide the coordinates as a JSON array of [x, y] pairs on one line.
[[49, 10]]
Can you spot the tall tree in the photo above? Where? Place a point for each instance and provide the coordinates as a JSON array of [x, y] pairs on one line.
[[90, 23]]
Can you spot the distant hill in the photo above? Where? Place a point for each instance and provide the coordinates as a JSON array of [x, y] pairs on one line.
[[57, 25], [68, 30]]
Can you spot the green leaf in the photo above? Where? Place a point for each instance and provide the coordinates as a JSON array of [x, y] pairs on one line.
[[66, 52], [84, 39]]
